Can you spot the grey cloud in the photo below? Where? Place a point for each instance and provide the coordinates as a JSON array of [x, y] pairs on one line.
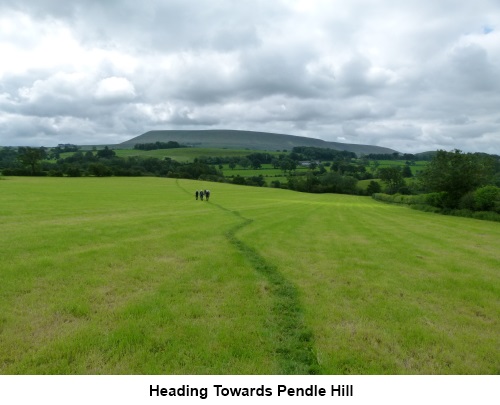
[[43, 131], [471, 68], [358, 77], [158, 25], [458, 120], [271, 71]]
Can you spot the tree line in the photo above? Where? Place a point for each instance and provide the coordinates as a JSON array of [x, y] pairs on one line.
[[29, 161], [104, 162], [158, 145], [455, 183], [451, 180]]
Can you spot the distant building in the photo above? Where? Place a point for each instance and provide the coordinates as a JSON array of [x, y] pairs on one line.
[[307, 163]]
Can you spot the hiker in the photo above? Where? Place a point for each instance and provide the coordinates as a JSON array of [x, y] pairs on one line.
[[196, 194], [207, 194], [201, 195]]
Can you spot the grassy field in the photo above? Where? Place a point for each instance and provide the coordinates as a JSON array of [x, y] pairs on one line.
[[184, 155], [417, 167], [188, 154], [133, 276], [267, 171]]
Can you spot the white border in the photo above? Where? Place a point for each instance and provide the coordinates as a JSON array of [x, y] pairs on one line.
[[124, 390]]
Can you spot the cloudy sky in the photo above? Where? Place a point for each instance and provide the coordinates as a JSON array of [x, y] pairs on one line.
[[410, 75]]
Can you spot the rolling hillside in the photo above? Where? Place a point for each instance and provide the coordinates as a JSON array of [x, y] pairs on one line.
[[245, 139]]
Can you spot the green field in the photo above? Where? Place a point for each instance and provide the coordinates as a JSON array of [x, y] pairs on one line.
[[418, 165], [187, 154], [133, 276], [267, 170], [184, 155]]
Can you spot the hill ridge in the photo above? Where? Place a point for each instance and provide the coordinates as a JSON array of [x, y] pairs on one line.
[[239, 139]]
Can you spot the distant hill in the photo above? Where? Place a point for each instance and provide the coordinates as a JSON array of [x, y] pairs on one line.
[[233, 139]]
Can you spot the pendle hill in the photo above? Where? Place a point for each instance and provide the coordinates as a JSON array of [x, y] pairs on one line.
[[234, 139]]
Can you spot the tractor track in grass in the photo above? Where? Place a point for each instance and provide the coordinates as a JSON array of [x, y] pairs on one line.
[[294, 344]]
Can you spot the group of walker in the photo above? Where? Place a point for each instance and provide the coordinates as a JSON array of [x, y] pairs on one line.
[[202, 193]]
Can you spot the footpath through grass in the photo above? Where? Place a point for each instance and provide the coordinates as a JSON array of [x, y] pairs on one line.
[[133, 276]]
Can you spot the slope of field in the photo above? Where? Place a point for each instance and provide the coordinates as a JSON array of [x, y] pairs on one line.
[[133, 276], [245, 139]]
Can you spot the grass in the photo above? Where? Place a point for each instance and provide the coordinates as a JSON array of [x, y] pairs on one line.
[[269, 173], [187, 154], [122, 277], [133, 276], [387, 291], [415, 168], [184, 155], [293, 340]]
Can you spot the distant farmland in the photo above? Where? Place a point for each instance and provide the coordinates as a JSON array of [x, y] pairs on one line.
[[184, 154], [133, 276]]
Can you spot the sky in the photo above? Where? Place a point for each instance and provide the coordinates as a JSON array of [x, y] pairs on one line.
[[410, 75]]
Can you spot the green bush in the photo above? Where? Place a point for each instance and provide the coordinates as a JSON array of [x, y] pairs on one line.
[[486, 198], [421, 203], [468, 201], [400, 199], [437, 199], [425, 208], [487, 215]]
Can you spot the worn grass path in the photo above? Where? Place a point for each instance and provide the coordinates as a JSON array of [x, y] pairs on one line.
[[292, 339]]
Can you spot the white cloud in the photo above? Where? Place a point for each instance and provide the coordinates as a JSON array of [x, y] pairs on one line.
[[115, 89]]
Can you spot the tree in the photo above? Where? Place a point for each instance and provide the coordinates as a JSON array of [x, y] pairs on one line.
[[245, 162], [99, 170], [256, 164], [374, 166], [106, 153], [288, 164], [336, 183], [392, 177], [407, 171], [89, 156], [456, 174], [239, 180], [31, 156], [321, 169], [255, 181], [373, 187], [74, 171], [8, 157]]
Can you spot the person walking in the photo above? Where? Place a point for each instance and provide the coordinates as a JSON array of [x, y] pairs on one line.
[[201, 195], [196, 194], [207, 194]]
